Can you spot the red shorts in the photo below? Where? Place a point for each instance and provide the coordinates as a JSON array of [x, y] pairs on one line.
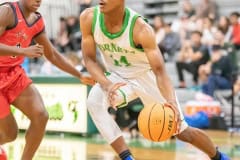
[[12, 82]]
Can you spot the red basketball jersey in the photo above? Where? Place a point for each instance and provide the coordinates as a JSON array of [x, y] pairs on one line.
[[20, 35]]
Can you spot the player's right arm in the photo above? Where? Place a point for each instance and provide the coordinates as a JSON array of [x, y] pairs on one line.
[[7, 20], [89, 56], [89, 49]]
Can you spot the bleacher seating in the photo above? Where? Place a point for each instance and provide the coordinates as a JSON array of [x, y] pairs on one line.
[[225, 7], [166, 8]]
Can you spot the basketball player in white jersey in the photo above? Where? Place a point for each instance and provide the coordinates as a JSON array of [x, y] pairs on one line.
[[135, 69]]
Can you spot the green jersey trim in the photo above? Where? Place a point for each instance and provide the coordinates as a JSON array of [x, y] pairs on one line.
[[107, 73], [118, 34], [125, 103], [131, 33], [94, 19]]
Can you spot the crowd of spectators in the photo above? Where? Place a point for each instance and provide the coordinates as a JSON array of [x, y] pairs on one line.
[[203, 43]]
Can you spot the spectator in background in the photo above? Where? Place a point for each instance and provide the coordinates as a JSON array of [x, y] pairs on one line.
[[75, 60], [197, 54], [203, 72], [234, 18], [83, 4], [73, 28], [220, 70], [180, 26], [186, 23], [199, 24], [227, 46], [187, 9], [72, 24], [158, 25], [62, 41], [68, 36], [185, 52], [208, 31], [207, 8], [225, 28], [171, 43]]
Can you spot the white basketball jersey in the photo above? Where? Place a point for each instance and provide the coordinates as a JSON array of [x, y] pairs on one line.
[[119, 53]]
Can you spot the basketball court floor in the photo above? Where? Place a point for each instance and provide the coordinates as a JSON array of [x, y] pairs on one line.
[[73, 147]]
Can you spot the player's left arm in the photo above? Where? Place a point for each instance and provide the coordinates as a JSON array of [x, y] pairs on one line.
[[144, 35], [59, 60]]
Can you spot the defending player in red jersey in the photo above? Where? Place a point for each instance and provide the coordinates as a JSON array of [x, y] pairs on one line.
[[20, 24]]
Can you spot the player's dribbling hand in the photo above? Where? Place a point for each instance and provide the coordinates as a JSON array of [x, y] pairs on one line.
[[177, 114], [87, 80], [112, 94], [33, 51]]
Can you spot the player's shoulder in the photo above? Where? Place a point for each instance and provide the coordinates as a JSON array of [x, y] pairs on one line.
[[7, 14], [6, 9], [142, 27], [5, 5], [87, 15]]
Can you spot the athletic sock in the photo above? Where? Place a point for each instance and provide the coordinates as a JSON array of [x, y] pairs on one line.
[[126, 155], [217, 156]]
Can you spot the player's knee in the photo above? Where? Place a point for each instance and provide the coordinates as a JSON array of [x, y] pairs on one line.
[[187, 135], [9, 135]]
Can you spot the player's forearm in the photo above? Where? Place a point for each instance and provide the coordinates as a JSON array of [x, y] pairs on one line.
[[62, 63], [96, 72], [6, 50], [166, 88]]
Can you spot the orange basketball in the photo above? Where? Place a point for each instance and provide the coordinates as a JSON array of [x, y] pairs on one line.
[[156, 122]]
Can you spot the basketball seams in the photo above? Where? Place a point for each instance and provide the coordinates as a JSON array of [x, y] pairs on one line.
[[152, 121], [163, 124], [149, 121]]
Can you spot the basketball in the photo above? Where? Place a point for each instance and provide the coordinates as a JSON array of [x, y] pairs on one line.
[[156, 122]]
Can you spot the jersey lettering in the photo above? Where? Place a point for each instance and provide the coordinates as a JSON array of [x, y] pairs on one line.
[[121, 62], [113, 48]]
